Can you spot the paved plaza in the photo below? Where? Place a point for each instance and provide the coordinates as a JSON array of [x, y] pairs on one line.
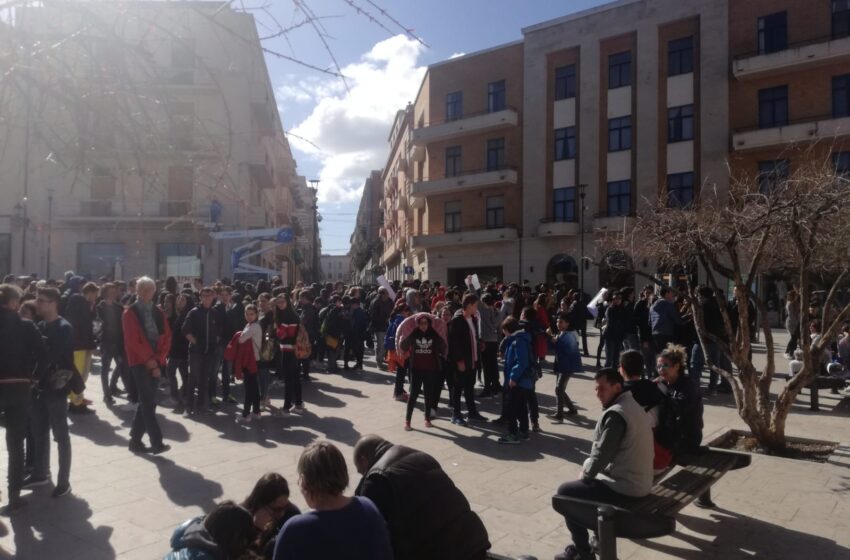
[[126, 506]]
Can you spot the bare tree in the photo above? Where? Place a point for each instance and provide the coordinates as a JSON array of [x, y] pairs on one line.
[[794, 224]]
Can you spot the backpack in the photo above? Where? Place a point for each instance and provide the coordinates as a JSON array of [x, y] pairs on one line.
[[303, 348]]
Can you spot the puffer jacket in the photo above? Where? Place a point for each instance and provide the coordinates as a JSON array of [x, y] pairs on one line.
[[389, 338], [191, 541], [518, 360]]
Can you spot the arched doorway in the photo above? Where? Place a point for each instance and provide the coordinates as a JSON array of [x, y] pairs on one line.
[[562, 269], [616, 271]]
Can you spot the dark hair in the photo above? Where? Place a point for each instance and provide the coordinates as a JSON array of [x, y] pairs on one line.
[[30, 307], [611, 375], [530, 313], [564, 317], [511, 325], [488, 299], [322, 469], [9, 293], [51, 294], [468, 300], [400, 307], [89, 288], [206, 290], [231, 526], [665, 290], [632, 363], [268, 488]]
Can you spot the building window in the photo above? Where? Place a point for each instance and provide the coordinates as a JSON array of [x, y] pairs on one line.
[[454, 106], [452, 213], [180, 260], [680, 190], [841, 96], [565, 143], [495, 154], [773, 33], [772, 174], [619, 134], [495, 212], [841, 161], [680, 56], [619, 198], [564, 204], [565, 82], [840, 18], [680, 123], [453, 163], [99, 259], [773, 107], [619, 70], [496, 96]]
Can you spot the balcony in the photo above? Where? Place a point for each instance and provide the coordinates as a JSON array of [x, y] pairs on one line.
[[552, 228], [465, 237], [815, 52], [110, 211], [392, 249], [466, 181], [468, 124], [400, 203], [825, 128]]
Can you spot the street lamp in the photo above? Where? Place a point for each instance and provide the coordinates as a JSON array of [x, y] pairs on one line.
[[581, 195], [315, 184]]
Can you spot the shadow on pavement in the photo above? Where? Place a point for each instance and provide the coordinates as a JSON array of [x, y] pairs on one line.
[[185, 487]]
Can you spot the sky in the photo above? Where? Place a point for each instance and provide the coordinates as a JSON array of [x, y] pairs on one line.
[[338, 128]]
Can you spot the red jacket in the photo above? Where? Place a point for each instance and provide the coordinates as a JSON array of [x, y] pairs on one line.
[[242, 356], [136, 343]]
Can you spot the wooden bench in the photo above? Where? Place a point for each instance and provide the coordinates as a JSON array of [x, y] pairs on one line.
[[820, 382], [494, 556], [654, 515]]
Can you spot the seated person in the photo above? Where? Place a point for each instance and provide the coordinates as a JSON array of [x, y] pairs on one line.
[[403, 483], [619, 468], [269, 504], [680, 422], [339, 526], [650, 396], [226, 533]]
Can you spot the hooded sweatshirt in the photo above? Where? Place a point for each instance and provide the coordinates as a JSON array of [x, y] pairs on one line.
[[191, 541]]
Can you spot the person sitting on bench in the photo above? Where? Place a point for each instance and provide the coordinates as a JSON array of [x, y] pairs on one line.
[[619, 468], [680, 422], [650, 395]]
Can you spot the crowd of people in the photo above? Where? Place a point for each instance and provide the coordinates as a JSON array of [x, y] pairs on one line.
[[197, 341]]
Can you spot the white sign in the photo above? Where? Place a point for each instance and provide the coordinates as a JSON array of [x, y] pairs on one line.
[[475, 282], [382, 281], [591, 307]]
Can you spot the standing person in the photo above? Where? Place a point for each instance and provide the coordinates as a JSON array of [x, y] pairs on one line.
[[618, 318], [425, 347], [254, 333], [178, 354], [490, 319], [567, 362], [578, 318], [664, 318], [268, 349], [715, 327], [22, 349], [309, 317], [79, 311], [354, 340], [109, 311], [792, 323], [379, 317], [644, 326], [147, 339], [286, 332], [519, 380], [231, 320], [333, 328], [400, 313], [337, 526], [202, 329], [619, 469], [51, 413], [463, 354]]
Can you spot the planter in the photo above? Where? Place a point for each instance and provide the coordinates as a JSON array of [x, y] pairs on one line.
[[802, 449]]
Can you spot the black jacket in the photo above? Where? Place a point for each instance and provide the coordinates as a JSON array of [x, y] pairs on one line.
[[21, 347], [205, 325], [232, 320], [112, 336], [641, 317], [379, 314], [460, 343], [179, 343], [428, 517], [680, 422], [80, 313]]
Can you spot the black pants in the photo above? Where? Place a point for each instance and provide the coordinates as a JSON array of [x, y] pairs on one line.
[[490, 361], [173, 366], [291, 379], [561, 393], [583, 332], [400, 374], [464, 382], [418, 378], [304, 366], [439, 381], [201, 368], [353, 350], [144, 421], [793, 342], [591, 490], [515, 409], [15, 404], [107, 355], [533, 407], [252, 394]]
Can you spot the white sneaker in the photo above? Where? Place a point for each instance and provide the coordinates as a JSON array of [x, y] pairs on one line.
[[243, 419]]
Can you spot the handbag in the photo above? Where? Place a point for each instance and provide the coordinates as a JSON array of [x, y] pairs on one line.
[[303, 349], [331, 342]]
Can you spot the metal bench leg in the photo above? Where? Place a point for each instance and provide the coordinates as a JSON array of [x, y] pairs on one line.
[[607, 536], [704, 501], [814, 399]]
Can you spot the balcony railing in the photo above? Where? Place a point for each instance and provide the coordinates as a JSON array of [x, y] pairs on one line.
[[800, 130], [466, 180], [467, 124], [811, 52], [466, 236], [97, 210]]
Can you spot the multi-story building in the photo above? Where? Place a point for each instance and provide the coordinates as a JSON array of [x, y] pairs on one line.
[[142, 128], [336, 268], [453, 203], [366, 243]]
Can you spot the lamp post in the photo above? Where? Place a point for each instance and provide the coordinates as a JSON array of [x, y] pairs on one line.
[[581, 195], [49, 227], [315, 184]]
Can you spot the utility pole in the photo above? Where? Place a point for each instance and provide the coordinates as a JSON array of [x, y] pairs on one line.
[[315, 184], [581, 195]]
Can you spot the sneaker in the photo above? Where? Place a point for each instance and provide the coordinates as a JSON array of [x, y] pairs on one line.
[[215, 400], [407, 427], [13, 506], [401, 398], [32, 481], [511, 439], [535, 427], [556, 418], [243, 419], [137, 447], [231, 399], [459, 421], [61, 490], [572, 553], [428, 424], [299, 408], [477, 417], [79, 409], [161, 448]]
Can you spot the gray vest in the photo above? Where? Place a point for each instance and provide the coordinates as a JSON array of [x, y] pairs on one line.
[[630, 472]]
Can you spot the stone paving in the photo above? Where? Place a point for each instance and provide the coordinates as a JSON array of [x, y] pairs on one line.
[[126, 506]]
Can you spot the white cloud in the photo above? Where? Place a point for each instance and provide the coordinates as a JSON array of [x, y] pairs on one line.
[[350, 127]]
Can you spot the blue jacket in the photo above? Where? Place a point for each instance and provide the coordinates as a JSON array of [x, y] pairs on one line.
[[191, 541], [518, 360], [389, 338], [567, 355], [664, 318]]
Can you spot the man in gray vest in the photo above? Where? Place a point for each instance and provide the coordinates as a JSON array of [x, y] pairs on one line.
[[619, 469]]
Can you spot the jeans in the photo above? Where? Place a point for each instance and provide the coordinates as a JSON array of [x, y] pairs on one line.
[[50, 414], [226, 370], [490, 361], [515, 409], [333, 355], [144, 421], [200, 369], [464, 382], [264, 377], [533, 407], [175, 365], [15, 404], [561, 393], [107, 355], [591, 490], [380, 351], [291, 379], [793, 342], [252, 394], [718, 358], [417, 379], [613, 347], [647, 350]]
